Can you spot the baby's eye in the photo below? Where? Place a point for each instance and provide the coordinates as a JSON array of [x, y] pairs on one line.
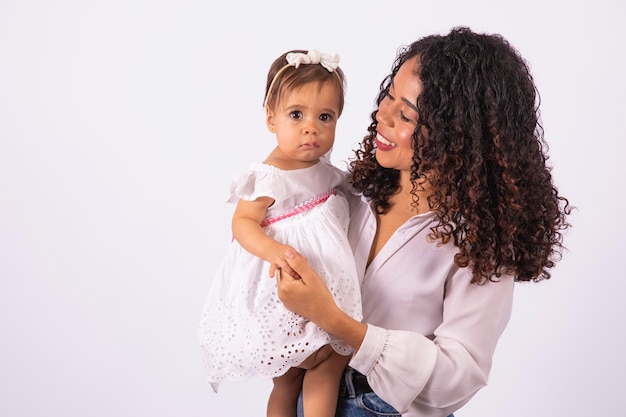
[[325, 117], [296, 114]]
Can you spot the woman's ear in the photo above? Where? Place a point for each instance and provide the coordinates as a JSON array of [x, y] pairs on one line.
[[269, 120]]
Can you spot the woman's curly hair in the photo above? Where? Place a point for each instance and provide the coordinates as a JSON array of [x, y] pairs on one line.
[[480, 143]]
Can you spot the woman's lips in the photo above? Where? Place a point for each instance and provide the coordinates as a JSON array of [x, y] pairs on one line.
[[383, 144]]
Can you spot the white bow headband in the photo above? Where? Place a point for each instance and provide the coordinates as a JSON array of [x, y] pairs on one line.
[[313, 57], [295, 59]]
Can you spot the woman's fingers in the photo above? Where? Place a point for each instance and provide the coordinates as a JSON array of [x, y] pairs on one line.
[[298, 264], [284, 267], [290, 286], [308, 295]]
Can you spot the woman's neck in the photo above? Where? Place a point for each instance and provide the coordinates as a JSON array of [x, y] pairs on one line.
[[402, 208], [403, 201]]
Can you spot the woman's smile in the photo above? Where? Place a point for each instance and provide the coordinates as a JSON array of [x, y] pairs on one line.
[[383, 144]]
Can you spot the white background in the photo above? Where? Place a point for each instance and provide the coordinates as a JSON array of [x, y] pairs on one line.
[[122, 122]]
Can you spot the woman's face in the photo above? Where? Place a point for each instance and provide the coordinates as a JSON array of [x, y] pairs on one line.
[[397, 119]]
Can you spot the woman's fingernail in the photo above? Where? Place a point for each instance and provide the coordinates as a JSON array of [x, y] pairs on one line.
[[289, 254]]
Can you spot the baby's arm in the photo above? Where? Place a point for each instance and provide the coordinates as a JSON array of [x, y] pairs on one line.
[[247, 230]]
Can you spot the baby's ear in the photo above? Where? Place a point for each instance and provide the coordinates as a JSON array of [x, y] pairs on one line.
[[269, 120]]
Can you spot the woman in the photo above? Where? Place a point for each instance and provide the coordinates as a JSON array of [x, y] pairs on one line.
[[455, 203]]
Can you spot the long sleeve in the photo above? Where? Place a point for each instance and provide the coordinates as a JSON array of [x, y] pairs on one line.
[[411, 371]]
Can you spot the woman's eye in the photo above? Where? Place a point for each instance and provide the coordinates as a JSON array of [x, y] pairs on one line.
[[404, 118], [297, 114]]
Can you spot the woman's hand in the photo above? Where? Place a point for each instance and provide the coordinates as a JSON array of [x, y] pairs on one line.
[[305, 294], [309, 296], [276, 258]]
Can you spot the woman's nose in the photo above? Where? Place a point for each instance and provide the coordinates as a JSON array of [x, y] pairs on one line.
[[382, 115]]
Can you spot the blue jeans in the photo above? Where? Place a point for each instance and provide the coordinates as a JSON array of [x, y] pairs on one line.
[[364, 405], [353, 404]]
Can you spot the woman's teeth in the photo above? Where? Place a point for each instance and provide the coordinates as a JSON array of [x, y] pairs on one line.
[[384, 141]]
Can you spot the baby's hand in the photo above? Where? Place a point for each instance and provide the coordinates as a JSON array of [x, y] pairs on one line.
[[280, 263]]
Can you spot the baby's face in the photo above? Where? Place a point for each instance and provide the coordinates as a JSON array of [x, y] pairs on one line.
[[305, 120]]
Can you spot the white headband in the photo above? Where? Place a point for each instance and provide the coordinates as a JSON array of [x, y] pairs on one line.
[[294, 59], [313, 57]]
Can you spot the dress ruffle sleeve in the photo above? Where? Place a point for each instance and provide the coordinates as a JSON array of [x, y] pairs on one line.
[[259, 180]]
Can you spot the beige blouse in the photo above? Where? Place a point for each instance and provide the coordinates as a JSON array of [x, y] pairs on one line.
[[431, 333]]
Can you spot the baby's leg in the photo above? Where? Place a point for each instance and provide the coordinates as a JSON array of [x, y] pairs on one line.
[[320, 388], [283, 400]]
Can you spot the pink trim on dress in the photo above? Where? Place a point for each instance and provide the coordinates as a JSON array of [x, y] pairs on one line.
[[300, 208]]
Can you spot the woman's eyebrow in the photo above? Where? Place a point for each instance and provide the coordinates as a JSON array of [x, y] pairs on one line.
[[405, 100], [408, 103]]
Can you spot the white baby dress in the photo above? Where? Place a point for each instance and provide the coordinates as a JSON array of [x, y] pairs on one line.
[[244, 329]]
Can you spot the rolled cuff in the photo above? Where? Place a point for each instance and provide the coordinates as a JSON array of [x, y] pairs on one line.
[[397, 364]]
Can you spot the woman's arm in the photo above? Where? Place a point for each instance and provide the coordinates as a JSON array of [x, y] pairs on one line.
[[409, 370], [247, 230], [444, 370]]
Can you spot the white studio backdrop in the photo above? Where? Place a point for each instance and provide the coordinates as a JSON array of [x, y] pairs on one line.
[[122, 122]]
